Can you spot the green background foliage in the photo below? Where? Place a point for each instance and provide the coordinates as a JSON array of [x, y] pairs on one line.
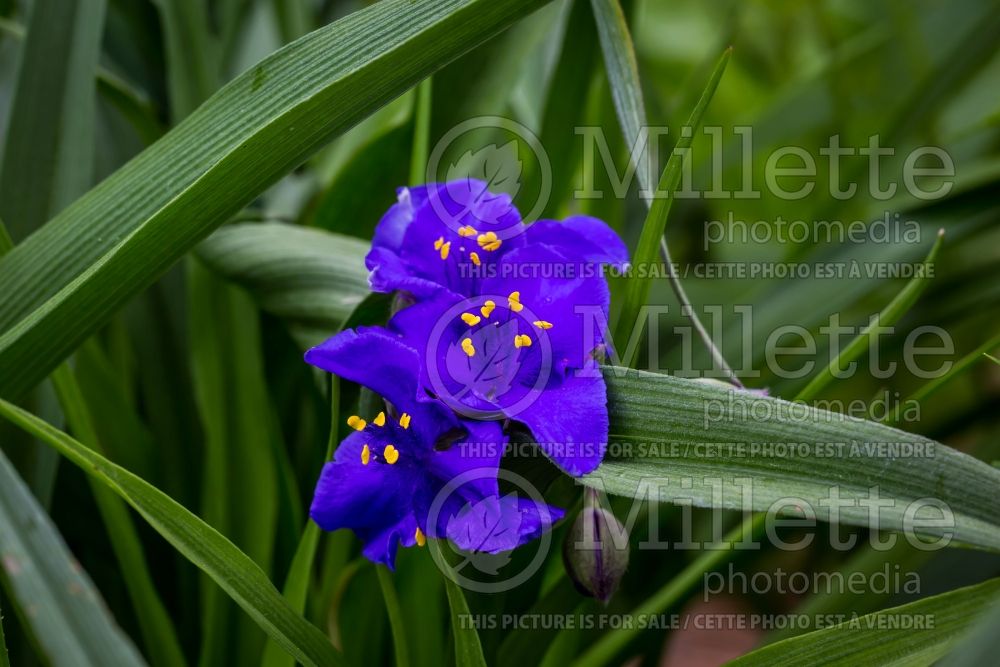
[[188, 189]]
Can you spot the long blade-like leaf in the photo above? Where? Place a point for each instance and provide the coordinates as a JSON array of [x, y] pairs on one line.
[[648, 248], [887, 637], [320, 290], [240, 482], [703, 443], [233, 570], [59, 289], [4, 659], [154, 622], [886, 318], [59, 604], [468, 648], [50, 135]]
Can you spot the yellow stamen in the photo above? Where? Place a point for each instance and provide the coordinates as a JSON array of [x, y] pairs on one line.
[[366, 455], [444, 249], [379, 420], [439, 243], [391, 454], [542, 324], [488, 241], [466, 231], [404, 420], [356, 422], [522, 340], [474, 256], [420, 537], [467, 347], [514, 301], [470, 319], [487, 308]]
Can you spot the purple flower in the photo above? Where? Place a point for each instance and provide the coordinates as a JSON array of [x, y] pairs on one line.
[[448, 236], [522, 351], [509, 316], [394, 479]]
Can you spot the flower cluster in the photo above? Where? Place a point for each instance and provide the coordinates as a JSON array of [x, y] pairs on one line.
[[483, 338]]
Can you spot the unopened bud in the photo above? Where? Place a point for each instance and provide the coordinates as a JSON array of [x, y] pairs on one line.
[[596, 550]]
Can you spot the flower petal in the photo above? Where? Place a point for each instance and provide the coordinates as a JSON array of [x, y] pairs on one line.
[[379, 360], [562, 292], [418, 246], [496, 524], [496, 374], [374, 500], [570, 421], [582, 237], [477, 456]]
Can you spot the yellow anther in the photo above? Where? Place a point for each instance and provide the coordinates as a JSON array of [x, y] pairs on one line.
[[467, 347], [514, 301], [487, 308], [542, 324], [379, 420], [470, 319], [439, 243], [356, 422], [522, 340], [445, 247], [391, 454], [404, 420], [420, 537], [366, 455], [474, 256], [488, 241], [466, 231]]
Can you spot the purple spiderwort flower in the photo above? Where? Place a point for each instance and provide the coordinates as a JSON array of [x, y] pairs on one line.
[[447, 236], [388, 477], [502, 311], [505, 366]]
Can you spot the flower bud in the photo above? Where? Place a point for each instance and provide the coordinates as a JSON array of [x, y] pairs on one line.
[[596, 550]]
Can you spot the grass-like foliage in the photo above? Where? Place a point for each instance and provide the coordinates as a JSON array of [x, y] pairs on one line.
[[801, 398]]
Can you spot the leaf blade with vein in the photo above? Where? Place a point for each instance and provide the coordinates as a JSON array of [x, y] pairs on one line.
[[66, 279], [236, 573]]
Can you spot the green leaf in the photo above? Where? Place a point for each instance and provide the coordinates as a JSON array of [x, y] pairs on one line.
[[468, 649], [158, 631], [886, 318], [395, 615], [58, 289], [239, 482], [866, 561], [980, 645], [296, 588], [626, 91], [192, 68], [4, 659], [960, 366], [623, 75], [309, 277], [233, 570], [57, 601], [886, 637], [50, 134], [647, 250], [421, 131], [571, 80], [680, 416], [133, 104]]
